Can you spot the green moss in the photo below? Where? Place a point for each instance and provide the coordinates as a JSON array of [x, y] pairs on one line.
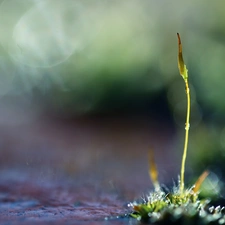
[[160, 207]]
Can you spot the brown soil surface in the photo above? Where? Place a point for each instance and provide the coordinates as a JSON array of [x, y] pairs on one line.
[[79, 171]]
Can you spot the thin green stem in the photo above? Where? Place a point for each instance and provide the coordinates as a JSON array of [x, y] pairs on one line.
[[187, 126]]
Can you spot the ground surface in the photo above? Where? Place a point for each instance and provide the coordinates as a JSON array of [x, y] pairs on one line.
[[79, 171]]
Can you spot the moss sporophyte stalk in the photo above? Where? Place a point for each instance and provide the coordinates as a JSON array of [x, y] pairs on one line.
[[181, 205]]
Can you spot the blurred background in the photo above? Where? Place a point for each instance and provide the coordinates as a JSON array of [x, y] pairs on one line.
[[88, 87]]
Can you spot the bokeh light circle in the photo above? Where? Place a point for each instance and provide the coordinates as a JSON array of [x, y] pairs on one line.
[[43, 33]]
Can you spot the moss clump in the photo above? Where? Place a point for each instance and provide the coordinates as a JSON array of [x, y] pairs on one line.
[[188, 213], [160, 207]]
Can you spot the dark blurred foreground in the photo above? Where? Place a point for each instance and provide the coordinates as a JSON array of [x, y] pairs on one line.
[[82, 169]]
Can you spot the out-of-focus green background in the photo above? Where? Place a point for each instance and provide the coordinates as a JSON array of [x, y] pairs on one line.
[[93, 56], [76, 57]]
